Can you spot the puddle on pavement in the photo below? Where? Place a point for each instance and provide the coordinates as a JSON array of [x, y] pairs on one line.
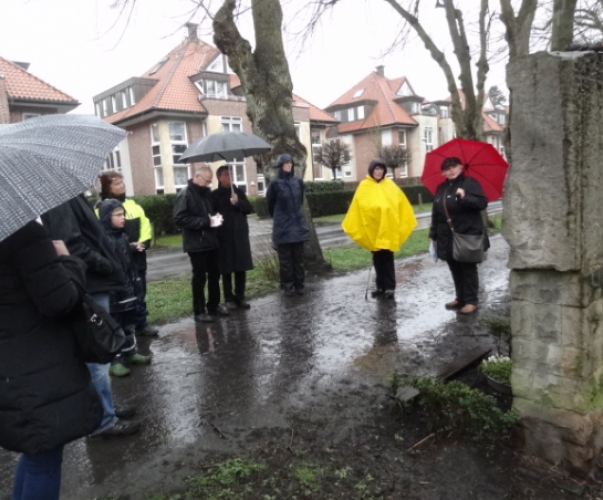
[[250, 370]]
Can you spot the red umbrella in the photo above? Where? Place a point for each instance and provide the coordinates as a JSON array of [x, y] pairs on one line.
[[482, 162]]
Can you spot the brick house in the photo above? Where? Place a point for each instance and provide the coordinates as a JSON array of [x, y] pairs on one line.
[[187, 95], [23, 95], [379, 111]]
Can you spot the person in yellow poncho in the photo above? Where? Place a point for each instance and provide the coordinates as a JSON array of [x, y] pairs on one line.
[[380, 219]]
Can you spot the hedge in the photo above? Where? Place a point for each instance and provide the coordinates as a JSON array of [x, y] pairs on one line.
[[322, 204], [158, 208]]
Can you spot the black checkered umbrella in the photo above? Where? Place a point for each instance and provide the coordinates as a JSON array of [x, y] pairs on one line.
[[48, 160]]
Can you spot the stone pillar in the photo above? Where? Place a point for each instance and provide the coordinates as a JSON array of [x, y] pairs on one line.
[[553, 222]]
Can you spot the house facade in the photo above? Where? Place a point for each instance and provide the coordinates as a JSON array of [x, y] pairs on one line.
[[187, 95], [24, 95], [379, 111]]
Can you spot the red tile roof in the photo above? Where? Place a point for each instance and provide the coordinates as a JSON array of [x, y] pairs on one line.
[[382, 91], [21, 84], [316, 114], [173, 90]]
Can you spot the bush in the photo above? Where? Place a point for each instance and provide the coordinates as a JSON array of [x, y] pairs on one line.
[[259, 206], [323, 186], [159, 209], [413, 192], [336, 202]]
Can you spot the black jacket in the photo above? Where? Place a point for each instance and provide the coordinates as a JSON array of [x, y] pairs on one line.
[[233, 234], [464, 212], [285, 197], [46, 396], [76, 224], [124, 299], [192, 210]]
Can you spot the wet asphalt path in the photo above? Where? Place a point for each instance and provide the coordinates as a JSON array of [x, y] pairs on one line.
[[326, 356]]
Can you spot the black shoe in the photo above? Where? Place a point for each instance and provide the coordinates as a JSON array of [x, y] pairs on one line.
[[125, 412], [288, 293], [219, 311], [377, 293], [231, 305], [148, 331], [299, 291], [120, 429], [204, 318], [241, 304], [389, 294]]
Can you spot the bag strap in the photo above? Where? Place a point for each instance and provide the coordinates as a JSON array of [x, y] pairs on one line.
[[448, 219]]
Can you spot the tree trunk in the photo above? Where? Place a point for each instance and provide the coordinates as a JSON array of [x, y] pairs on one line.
[[563, 24], [266, 83]]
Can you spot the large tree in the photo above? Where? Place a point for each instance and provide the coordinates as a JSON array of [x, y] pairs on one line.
[[266, 83]]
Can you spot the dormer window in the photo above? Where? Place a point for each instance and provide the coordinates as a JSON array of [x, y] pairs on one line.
[[358, 93], [214, 88], [502, 119]]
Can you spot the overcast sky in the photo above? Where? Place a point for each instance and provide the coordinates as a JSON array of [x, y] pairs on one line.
[[73, 45]]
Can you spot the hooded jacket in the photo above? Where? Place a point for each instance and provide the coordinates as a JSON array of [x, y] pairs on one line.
[[191, 214], [380, 216], [285, 197], [46, 396], [76, 224], [125, 298]]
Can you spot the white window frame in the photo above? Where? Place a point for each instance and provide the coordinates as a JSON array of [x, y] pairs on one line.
[[114, 103], [402, 134], [444, 112], [337, 115], [297, 126], [179, 141], [157, 167], [215, 88], [235, 124], [428, 138], [105, 107], [262, 183], [360, 112], [350, 114], [132, 97], [403, 170], [124, 99], [99, 111]]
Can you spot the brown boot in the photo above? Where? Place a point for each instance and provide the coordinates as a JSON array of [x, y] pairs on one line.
[[468, 309], [453, 306]]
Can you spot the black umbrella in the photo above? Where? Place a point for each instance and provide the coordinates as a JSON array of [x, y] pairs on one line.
[[227, 146], [48, 160]]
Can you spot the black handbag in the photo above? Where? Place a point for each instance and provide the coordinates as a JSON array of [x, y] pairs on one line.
[[465, 247], [98, 336]]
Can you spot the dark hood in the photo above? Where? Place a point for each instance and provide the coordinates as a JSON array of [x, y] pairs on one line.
[[374, 163], [105, 210], [284, 158]]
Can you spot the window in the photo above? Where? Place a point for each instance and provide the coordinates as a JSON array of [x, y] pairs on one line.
[[358, 93], [402, 137], [114, 103], [337, 114], [178, 144], [235, 124], [297, 126], [315, 138], [351, 114], [105, 107], [97, 108], [444, 112], [159, 65], [156, 155], [132, 98], [113, 161], [428, 138], [347, 171], [215, 89], [502, 119], [386, 137], [124, 99], [403, 169], [232, 124], [360, 112], [261, 185], [27, 116]]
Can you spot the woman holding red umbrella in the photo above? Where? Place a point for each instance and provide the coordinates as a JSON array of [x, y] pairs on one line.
[[459, 198]]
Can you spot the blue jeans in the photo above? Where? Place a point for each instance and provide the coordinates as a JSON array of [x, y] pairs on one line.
[[100, 377], [38, 477]]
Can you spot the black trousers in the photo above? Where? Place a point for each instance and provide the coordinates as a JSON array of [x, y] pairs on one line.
[[385, 274], [240, 279], [206, 267], [466, 281], [141, 313], [291, 265]]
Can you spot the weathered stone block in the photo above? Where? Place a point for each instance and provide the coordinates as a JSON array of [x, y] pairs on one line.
[[547, 287]]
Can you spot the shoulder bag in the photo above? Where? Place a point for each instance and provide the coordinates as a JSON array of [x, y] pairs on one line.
[[98, 336], [465, 247]]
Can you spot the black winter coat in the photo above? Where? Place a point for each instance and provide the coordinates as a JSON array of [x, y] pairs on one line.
[[233, 234], [191, 214], [76, 224], [464, 212], [46, 396], [285, 197]]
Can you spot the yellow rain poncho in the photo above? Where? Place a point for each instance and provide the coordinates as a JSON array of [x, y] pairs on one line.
[[380, 216]]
